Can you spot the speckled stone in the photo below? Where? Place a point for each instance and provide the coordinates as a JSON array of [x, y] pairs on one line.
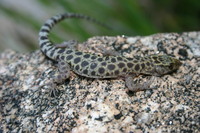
[[92, 105]]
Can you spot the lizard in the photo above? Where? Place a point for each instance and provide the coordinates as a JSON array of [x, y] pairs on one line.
[[92, 65]]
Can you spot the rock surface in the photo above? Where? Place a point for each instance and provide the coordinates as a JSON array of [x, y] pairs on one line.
[[93, 105]]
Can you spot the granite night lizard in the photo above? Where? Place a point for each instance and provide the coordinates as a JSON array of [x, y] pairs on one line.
[[95, 66]]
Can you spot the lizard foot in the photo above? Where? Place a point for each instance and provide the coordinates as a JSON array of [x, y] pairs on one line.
[[134, 87], [64, 73]]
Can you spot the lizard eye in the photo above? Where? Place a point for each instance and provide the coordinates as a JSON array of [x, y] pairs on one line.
[[171, 66]]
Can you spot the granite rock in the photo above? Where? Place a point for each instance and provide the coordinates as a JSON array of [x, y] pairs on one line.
[[93, 105]]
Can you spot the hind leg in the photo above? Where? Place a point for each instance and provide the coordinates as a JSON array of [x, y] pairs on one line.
[[107, 52], [60, 77], [71, 44]]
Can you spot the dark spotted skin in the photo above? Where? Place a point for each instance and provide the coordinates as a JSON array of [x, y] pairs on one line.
[[95, 66], [115, 66]]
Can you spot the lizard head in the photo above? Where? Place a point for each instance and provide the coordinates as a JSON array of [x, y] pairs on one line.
[[163, 64]]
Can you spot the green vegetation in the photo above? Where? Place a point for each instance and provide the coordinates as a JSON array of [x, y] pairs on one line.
[[125, 17]]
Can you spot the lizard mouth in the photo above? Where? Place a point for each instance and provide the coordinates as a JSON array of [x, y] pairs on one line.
[[176, 64]]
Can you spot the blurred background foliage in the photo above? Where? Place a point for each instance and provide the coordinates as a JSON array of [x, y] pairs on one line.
[[21, 20]]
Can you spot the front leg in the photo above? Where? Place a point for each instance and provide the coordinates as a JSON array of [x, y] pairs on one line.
[[138, 86]]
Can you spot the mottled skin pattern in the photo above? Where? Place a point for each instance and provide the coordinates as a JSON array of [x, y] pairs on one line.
[[95, 66]]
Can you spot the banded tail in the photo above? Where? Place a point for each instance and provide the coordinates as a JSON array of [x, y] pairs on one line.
[[45, 44]]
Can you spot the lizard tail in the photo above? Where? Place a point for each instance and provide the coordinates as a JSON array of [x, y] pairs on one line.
[[45, 44]]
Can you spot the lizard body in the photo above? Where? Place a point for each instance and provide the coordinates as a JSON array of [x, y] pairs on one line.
[[95, 66]]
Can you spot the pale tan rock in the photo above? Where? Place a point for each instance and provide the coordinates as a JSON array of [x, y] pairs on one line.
[[92, 105]]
